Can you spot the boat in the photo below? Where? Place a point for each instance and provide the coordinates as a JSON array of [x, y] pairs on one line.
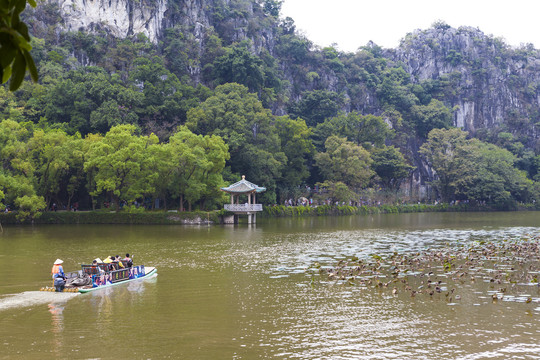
[[96, 277]]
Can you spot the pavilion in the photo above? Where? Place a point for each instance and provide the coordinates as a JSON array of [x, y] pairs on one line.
[[249, 208]]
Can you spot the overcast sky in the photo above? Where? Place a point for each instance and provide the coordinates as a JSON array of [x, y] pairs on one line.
[[352, 23]]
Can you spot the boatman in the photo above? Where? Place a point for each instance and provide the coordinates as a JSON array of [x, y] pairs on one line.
[[58, 275]]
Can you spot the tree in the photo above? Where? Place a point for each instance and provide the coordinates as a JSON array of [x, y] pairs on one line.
[[297, 147], [15, 46], [109, 114], [316, 106], [197, 163], [336, 191], [247, 128], [51, 157], [272, 7], [432, 116], [365, 130], [346, 162], [122, 163], [165, 99], [440, 151], [473, 170], [17, 171], [238, 65], [390, 166], [488, 174]]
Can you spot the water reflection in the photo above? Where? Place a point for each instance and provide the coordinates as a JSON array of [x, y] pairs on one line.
[[108, 301], [57, 316]]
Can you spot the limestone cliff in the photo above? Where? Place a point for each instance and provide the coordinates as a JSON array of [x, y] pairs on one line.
[[121, 18], [491, 83], [490, 87]]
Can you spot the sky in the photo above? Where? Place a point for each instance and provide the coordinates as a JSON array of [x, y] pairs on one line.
[[353, 23]]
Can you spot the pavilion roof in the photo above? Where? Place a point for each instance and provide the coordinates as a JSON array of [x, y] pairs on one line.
[[243, 186]]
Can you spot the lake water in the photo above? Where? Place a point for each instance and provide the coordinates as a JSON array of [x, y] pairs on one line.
[[251, 292]]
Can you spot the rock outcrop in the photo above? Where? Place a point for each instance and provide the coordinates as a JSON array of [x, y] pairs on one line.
[[121, 18], [491, 82]]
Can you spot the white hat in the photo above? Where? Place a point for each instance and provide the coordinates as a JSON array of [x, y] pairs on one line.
[[58, 262], [98, 260]]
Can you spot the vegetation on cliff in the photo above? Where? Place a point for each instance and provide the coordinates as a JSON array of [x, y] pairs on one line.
[[242, 93]]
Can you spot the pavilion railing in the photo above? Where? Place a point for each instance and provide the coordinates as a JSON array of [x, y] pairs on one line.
[[243, 207]]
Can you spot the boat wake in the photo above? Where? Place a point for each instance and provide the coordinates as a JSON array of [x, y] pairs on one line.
[[33, 298]]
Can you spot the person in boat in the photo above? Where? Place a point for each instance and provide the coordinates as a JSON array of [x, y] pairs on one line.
[[95, 268], [109, 260], [128, 261], [119, 261], [58, 275]]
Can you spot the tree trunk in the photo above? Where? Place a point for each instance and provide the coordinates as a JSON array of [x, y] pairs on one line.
[[203, 205], [116, 200]]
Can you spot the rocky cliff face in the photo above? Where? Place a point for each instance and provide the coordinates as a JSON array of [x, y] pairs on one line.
[[490, 87], [121, 18], [490, 83], [486, 84]]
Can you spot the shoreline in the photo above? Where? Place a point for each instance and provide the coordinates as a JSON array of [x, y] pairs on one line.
[[215, 217]]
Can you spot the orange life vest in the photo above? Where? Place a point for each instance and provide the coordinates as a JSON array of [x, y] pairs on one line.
[[55, 269]]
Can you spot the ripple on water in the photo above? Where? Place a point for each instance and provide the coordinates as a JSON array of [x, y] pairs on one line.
[[327, 320], [33, 298]]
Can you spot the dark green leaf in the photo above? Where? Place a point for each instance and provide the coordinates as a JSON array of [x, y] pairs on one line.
[[31, 66], [23, 30], [19, 70], [6, 75]]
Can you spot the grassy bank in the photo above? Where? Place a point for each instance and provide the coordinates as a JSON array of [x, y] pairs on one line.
[[329, 210], [215, 217], [122, 217]]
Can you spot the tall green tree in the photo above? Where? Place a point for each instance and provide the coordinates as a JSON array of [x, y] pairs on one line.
[[346, 162], [197, 162], [440, 150], [390, 166], [469, 169], [57, 158], [238, 65], [248, 129], [122, 163], [317, 106], [366, 130], [297, 147], [488, 175], [432, 116], [17, 171]]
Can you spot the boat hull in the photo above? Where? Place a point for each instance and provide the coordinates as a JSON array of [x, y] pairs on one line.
[[150, 272]]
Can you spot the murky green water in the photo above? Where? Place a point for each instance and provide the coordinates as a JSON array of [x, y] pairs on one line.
[[244, 293]]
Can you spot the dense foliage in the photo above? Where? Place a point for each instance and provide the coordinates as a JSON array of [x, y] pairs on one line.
[[118, 121]]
